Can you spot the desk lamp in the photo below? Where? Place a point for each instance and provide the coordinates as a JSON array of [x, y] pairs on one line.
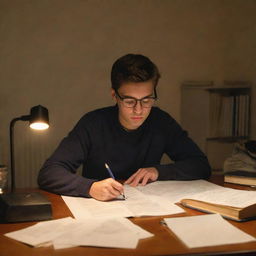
[[18, 207]]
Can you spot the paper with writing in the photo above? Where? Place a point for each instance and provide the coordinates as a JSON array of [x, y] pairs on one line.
[[136, 204], [159, 198], [227, 196]]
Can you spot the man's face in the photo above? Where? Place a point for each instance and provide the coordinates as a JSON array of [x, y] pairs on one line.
[[133, 117]]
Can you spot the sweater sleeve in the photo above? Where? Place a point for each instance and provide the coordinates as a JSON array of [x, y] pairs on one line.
[[189, 162], [58, 174]]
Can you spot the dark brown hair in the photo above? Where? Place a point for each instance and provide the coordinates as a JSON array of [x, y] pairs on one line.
[[133, 68]]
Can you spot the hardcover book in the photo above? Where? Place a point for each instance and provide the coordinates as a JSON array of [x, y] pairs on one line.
[[241, 177], [230, 212]]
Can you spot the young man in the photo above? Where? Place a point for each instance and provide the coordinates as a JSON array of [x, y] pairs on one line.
[[131, 137]]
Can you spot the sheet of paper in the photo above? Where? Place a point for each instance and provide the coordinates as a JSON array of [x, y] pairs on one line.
[[45, 232], [140, 232], [199, 190], [83, 208], [136, 204], [176, 190], [206, 230], [141, 204], [68, 232], [227, 196], [117, 233]]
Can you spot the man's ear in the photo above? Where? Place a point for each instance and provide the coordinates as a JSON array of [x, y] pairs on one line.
[[113, 94]]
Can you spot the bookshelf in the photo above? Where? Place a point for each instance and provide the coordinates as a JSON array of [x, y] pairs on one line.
[[216, 116]]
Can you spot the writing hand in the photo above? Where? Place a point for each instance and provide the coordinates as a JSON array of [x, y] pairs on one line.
[[106, 190], [143, 176]]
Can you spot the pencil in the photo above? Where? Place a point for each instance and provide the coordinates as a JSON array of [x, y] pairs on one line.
[[113, 177]]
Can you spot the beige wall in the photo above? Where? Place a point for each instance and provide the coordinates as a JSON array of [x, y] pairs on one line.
[[59, 53]]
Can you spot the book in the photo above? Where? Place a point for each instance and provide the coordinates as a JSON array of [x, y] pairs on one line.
[[229, 212], [241, 177], [235, 204]]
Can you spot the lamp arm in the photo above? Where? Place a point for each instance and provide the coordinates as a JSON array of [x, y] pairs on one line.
[[12, 157]]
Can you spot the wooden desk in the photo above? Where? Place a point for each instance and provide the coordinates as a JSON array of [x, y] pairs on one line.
[[163, 243]]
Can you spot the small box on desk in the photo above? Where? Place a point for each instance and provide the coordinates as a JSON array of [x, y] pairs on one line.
[[21, 207]]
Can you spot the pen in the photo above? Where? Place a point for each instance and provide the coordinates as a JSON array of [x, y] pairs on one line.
[[113, 177]]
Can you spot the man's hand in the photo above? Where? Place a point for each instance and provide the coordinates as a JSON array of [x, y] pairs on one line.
[[106, 190], [143, 176]]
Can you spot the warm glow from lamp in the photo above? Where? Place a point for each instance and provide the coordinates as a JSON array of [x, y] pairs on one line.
[[39, 126], [38, 120], [33, 206]]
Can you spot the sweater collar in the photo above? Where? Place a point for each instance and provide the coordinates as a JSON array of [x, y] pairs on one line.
[[133, 131]]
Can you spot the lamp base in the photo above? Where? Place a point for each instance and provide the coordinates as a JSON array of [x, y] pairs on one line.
[[21, 207]]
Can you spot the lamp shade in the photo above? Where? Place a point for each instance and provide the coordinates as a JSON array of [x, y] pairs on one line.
[[39, 118]]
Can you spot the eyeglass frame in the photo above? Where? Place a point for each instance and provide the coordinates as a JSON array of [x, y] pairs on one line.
[[137, 100]]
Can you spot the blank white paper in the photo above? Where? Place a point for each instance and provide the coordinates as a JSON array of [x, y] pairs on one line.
[[102, 234], [117, 233], [68, 232], [42, 233], [206, 230]]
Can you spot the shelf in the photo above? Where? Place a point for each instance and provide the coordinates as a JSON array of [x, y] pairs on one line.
[[216, 117], [230, 91], [228, 139]]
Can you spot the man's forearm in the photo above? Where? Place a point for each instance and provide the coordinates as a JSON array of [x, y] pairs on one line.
[[58, 180]]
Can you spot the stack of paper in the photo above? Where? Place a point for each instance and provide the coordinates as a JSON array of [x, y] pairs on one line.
[[68, 232]]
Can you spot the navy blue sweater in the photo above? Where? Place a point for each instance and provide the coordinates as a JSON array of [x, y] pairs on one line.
[[99, 138]]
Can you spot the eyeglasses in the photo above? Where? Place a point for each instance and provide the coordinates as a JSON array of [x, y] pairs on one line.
[[130, 102]]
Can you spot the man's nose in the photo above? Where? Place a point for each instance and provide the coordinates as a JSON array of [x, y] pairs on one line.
[[137, 108]]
